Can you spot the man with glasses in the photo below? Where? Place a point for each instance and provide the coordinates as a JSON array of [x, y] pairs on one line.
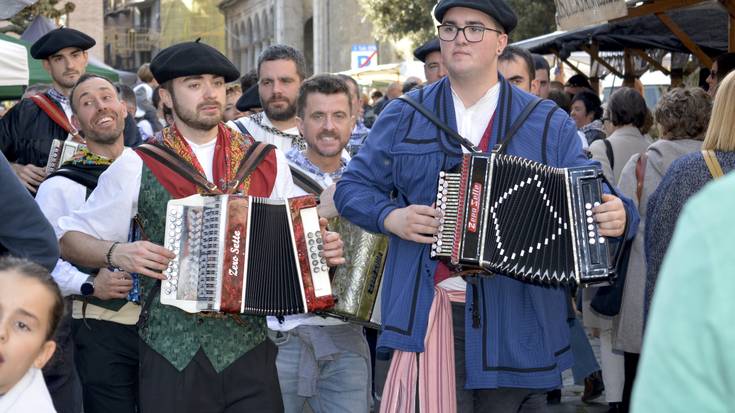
[[490, 343]]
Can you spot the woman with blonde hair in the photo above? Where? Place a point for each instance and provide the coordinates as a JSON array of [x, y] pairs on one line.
[[682, 115], [686, 176]]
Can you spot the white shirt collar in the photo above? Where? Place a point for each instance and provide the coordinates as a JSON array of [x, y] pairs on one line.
[[472, 121]]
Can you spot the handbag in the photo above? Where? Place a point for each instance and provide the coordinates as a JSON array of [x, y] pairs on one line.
[[607, 300]]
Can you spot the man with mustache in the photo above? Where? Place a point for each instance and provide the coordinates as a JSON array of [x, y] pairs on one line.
[[198, 362], [104, 334], [281, 69], [27, 131], [498, 343], [322, 361]]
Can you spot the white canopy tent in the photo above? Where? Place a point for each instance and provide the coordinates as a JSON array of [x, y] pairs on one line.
[[14, 67]]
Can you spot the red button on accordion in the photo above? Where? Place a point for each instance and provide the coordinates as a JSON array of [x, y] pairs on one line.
[[237, 254], [513, 216]]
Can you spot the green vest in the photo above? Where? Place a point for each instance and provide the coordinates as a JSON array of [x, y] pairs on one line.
[[173, 333]]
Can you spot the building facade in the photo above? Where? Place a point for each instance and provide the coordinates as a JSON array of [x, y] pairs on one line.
[[324, 30]]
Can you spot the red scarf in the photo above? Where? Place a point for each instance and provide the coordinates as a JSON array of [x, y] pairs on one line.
[[229, 151]]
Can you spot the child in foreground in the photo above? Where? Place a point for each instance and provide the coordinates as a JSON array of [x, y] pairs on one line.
[[30, 309]]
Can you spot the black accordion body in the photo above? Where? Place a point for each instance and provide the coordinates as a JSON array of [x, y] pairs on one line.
[[520, 218]]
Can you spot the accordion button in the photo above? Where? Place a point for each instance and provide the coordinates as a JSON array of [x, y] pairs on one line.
[[589, 213], [601, 240], [590, 227], [591, 234], [590, 220], [592, 241], [323, 261], [319, 247], [597, 204], [588, 205], [310, 234], [316, 269]]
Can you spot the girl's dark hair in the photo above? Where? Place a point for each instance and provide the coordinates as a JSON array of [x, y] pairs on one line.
[[31, 270]]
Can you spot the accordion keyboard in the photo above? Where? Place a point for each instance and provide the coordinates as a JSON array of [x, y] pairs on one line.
[[447, 200]]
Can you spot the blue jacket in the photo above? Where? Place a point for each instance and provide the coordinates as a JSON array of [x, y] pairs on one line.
[[523, 337]]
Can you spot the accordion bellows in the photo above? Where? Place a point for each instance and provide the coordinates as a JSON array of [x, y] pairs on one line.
[[237, 254], [516, 217]]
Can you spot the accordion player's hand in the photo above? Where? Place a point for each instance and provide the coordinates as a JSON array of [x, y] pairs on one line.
[[610, 216], [112, 284], [332, 245], [142, 257], [417, 223]]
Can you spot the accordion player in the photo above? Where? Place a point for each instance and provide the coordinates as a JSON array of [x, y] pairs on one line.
[[513, 216], [237, 254]]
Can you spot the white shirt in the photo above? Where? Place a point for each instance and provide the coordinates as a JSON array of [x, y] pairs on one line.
[[28, 395], [471, 124], [57, 197], [118, 188], [261, 135], [292, 321]]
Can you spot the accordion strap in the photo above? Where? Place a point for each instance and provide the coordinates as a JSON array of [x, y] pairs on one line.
[[441, 125], [710, 158], [520, 120], [171, 160], [253, 157], [59, 117], [305, 182]]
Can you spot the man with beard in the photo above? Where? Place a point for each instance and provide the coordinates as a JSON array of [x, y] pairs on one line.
[[198, 362], [27, 131], [104, 333], [322, 361], [281, 69]]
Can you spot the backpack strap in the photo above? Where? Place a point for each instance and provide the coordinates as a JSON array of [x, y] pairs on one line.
[[640, 174], [710, 158], [57, 115], [610, 153], [242, 128]]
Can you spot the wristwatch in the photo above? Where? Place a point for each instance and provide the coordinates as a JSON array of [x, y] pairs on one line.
[[88, 287]]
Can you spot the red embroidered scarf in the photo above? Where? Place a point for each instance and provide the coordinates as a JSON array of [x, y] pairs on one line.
[[229, 151]]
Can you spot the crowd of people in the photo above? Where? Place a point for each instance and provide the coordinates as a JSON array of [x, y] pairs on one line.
[[82, 325]]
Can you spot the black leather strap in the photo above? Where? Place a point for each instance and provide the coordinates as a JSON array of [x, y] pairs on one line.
[[610, 153], [305, 182], [441, 125]]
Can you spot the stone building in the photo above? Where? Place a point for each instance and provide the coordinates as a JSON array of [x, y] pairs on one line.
[[324, 30]]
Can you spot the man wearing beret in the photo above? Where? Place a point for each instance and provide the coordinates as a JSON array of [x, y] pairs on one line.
[[430, 54], [202, 362], [511, 339], [26, 131]]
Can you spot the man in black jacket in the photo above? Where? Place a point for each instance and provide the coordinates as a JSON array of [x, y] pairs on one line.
[[26, 131]]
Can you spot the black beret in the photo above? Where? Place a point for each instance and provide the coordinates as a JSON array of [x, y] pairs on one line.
[[249, 100], [426, 48], [497, 9], [58, 39], [192, 58]]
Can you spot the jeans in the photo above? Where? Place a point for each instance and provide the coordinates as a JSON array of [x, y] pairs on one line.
[[342, 384]]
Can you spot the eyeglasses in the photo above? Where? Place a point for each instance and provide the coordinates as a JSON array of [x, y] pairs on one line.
[[473, 34]]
